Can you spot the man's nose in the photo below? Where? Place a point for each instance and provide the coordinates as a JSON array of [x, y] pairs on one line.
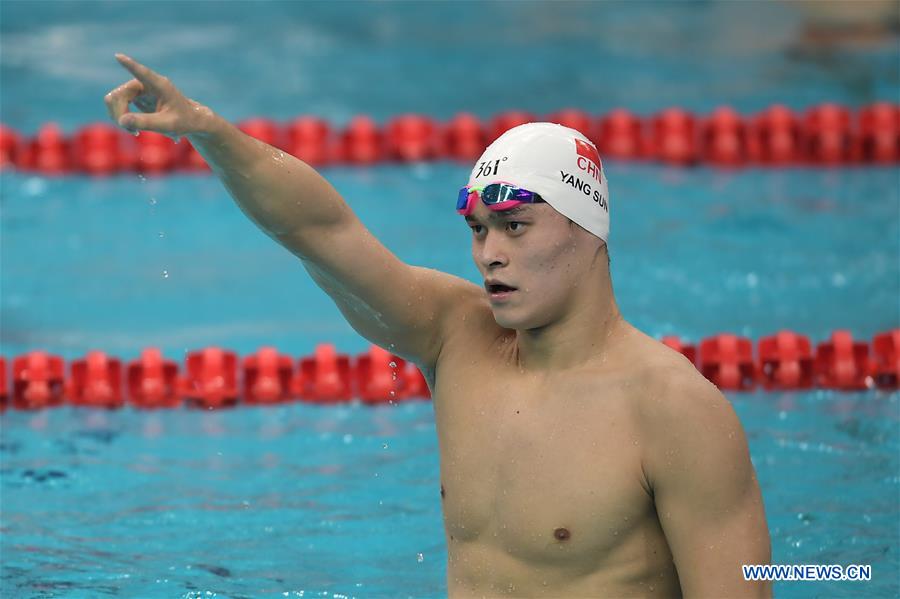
[[493, 252]]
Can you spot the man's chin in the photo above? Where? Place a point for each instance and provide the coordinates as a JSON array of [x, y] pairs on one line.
[[505, 319]]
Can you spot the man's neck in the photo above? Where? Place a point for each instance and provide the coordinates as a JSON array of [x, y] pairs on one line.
[[582, 336]]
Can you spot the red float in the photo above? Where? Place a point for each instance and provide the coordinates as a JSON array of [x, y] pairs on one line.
[[48, 153], [827, 137], [774, 137], [464, 138], [38, 381], [727, 361], [842, 363], [361, 142], [95, 381], [211, 380], [879, 129], [724, 138], [620, 136], [326, 377], [96, 149], [886, 359], [674, 137], [311, 140], [688, 351], [153, 381], [412, 138], [380, 376], [785, 361], [268, 377], [155, 153], [10, 141]]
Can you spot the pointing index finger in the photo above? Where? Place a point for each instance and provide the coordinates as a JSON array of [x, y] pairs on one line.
[[143, 74]]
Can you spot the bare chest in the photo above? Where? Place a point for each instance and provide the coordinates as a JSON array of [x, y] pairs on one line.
[[547, 474]]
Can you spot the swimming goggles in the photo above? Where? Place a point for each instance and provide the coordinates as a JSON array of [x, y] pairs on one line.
[[496, 196]]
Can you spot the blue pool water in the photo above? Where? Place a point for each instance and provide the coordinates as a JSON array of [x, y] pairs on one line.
[[344, 501]]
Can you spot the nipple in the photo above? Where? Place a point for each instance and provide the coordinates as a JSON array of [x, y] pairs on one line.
[[561, 534]]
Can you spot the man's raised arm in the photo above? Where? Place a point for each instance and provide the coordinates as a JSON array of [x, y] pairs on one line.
[[397, 306]]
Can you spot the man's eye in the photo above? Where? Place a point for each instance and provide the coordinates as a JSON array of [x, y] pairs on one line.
[[515, 226], [476, 229]]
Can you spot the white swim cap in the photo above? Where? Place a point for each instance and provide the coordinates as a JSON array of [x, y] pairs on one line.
[[558, 163]]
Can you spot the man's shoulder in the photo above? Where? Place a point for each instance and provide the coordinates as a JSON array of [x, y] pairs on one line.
[[673, 394], [655, 365]]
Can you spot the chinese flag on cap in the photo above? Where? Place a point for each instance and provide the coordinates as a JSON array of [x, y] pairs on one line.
[[587, 150]]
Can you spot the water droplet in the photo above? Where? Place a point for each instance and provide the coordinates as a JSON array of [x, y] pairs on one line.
[[165, 274], [384, 446], [153, 201], [161, 234], [420, 558], [392, 364], [392, 393]]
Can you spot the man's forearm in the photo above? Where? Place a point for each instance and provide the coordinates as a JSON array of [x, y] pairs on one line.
[[283, 195]]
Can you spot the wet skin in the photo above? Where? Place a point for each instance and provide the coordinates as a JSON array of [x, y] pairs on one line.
[[542, 486]]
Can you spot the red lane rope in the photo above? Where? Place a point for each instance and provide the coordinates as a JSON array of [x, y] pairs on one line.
[[823, 135], [215, 378]]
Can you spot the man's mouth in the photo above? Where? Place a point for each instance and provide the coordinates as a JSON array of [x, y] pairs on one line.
[[498, 290]]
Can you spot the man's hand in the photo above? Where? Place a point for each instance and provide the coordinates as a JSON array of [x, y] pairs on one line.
[[165, 109], [299, 209]]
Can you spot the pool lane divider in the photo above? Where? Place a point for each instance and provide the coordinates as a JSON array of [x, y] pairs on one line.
[[209, 378], [824, 135]]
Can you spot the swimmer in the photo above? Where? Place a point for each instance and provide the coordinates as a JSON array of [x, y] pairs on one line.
[[579, 457]]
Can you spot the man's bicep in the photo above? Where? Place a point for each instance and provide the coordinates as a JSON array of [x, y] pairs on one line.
[[400, 307], [707, 496]]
